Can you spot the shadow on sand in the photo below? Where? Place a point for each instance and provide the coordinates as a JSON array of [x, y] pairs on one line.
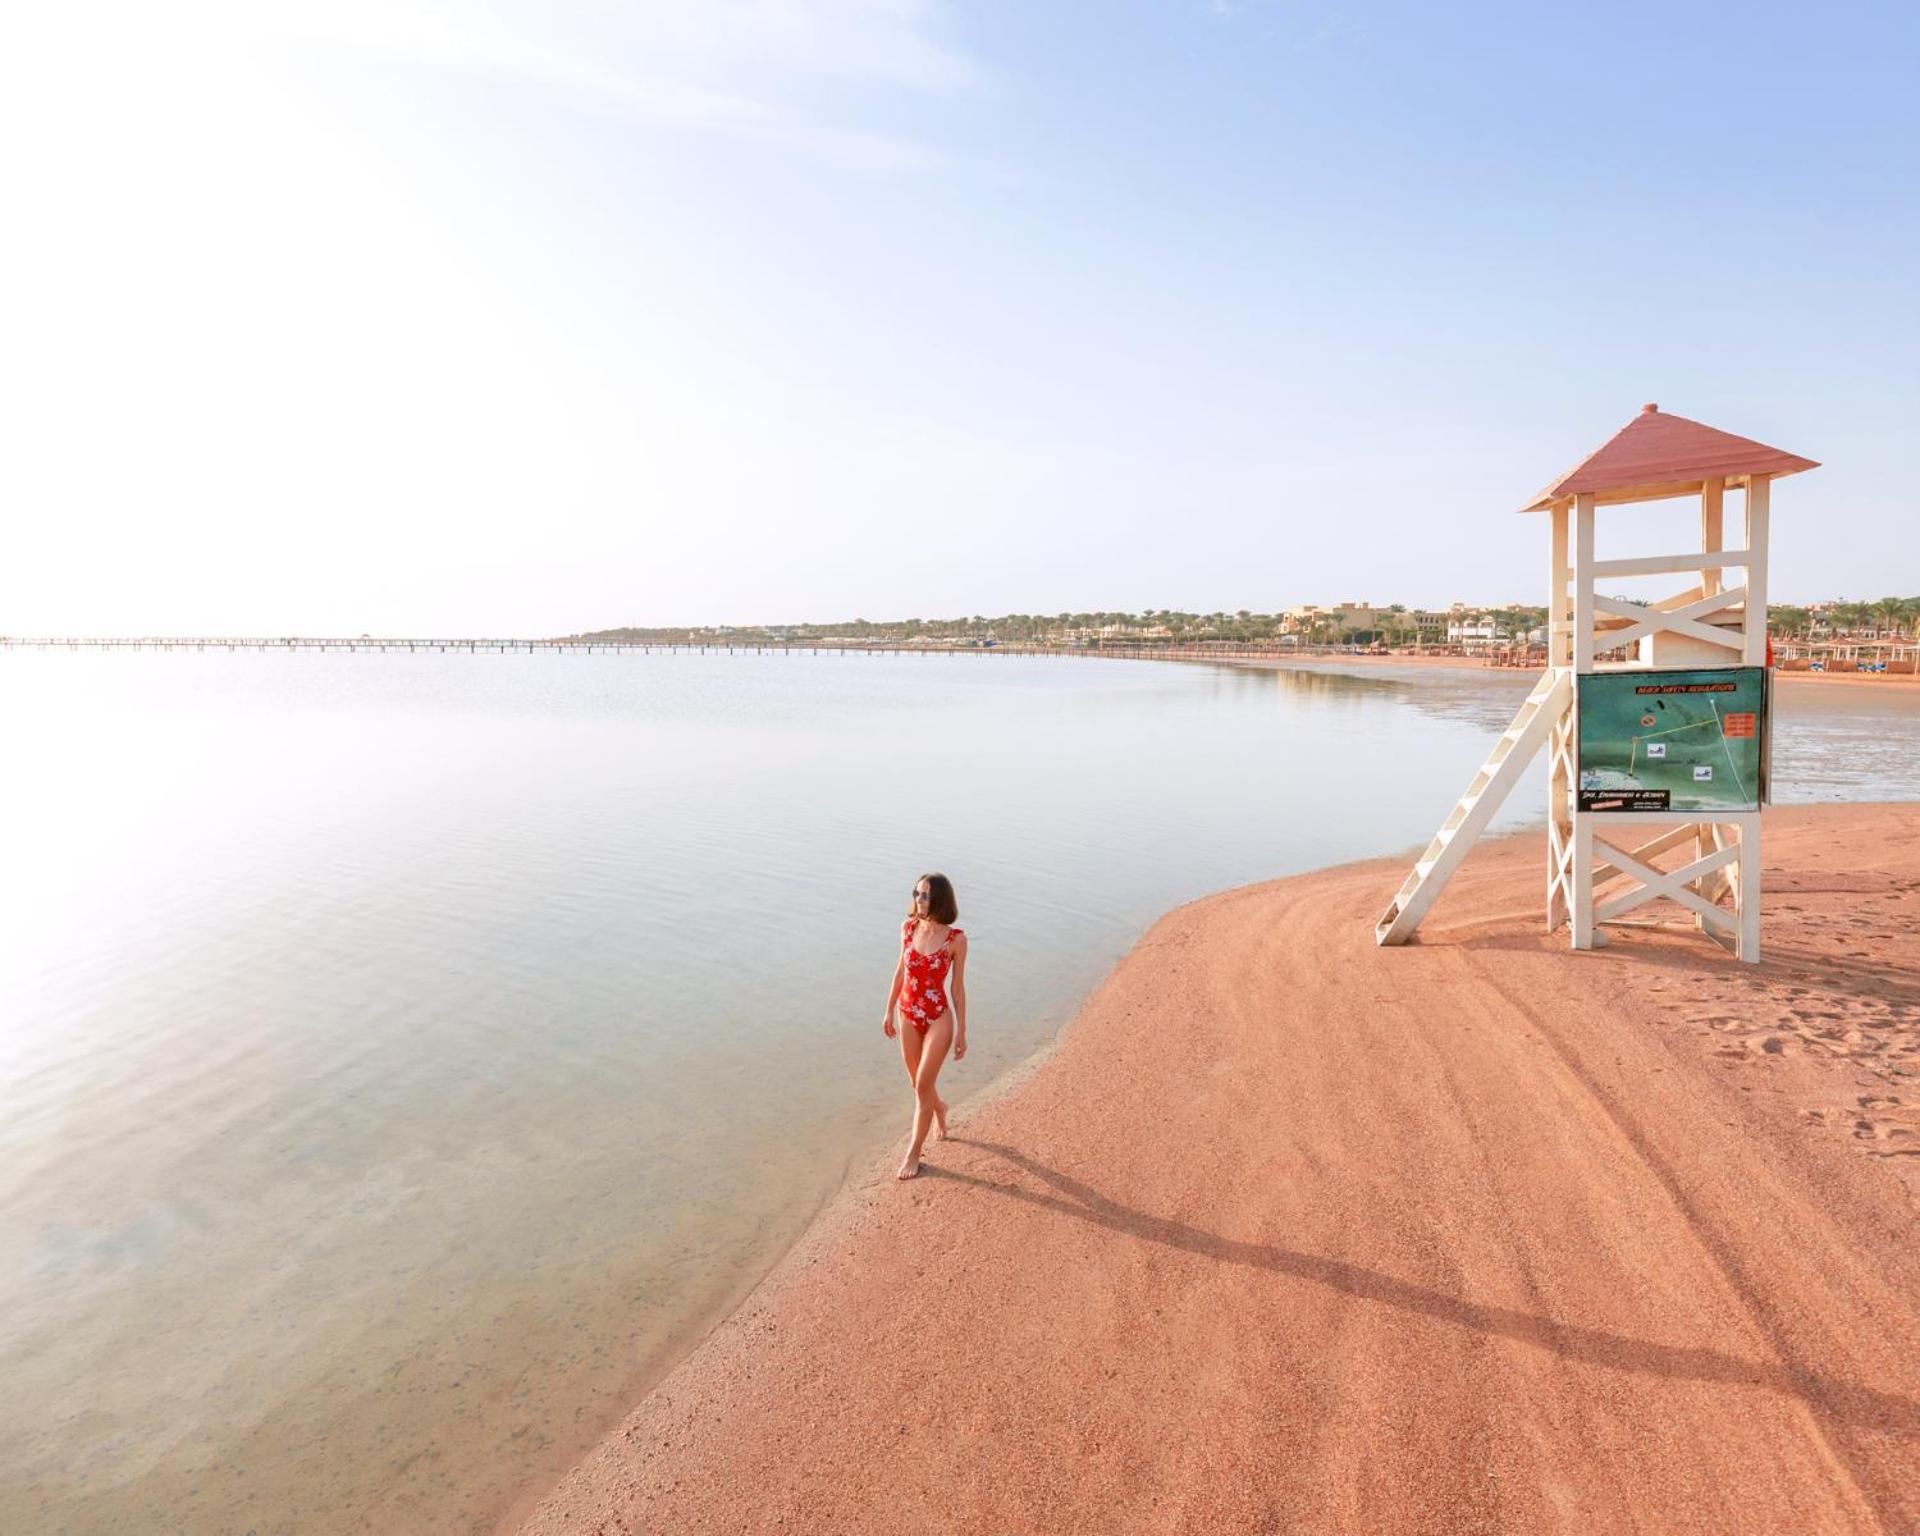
[[1864, 1407]]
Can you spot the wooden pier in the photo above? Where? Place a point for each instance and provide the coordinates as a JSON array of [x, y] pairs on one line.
[[1112, 650]]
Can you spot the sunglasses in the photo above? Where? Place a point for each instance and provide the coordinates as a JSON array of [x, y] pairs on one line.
[[923, 895]]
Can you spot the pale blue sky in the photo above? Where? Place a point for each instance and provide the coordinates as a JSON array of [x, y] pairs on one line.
[[331, 317]]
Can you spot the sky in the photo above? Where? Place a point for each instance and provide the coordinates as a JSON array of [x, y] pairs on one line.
[[376, 316]]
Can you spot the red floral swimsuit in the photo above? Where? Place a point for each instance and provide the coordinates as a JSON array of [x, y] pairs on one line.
[[924, 996]]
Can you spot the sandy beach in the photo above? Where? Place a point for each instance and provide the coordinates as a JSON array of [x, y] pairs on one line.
[[1293, 1233]]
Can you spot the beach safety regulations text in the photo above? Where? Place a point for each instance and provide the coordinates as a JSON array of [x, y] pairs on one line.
[[1673, 741]]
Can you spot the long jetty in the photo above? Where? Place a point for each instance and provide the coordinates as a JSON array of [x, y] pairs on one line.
[[1112, 649]]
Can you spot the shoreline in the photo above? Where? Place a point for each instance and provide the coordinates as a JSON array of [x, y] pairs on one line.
[[1897, 680], [863, 1169], [811, 1358]]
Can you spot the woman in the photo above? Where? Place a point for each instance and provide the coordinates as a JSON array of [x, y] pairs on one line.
[[930, 946]]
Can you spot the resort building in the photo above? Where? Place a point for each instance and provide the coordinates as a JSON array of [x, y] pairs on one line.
[[1336, 622]]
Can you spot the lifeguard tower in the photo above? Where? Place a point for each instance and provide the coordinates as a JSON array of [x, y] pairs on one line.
[[1653, 714]]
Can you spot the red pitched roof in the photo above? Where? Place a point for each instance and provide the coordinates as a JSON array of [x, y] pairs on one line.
[[1657, 454]]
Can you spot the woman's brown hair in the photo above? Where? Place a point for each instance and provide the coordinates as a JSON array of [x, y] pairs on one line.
[[941, 906]]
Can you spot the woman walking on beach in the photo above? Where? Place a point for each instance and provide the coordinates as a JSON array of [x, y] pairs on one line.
[[930, 946]]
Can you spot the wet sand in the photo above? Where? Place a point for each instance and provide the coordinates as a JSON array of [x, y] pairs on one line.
[[1293, 1233]]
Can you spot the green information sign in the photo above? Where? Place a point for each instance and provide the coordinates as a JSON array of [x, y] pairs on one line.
[[1673, 741]]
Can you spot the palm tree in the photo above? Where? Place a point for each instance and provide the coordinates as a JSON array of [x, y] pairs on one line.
[[1789, 621]]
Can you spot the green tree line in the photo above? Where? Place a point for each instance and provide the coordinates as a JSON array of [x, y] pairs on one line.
[[1395, 626]]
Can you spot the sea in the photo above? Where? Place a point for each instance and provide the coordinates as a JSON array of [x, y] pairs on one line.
[[406, 1057]]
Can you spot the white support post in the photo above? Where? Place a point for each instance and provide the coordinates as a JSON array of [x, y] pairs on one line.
[[1559, 627], [1759, 488], [1712, 529], [1582, 661], [1559, 776], [1747, 893], [1583, 583], [1582, 880]]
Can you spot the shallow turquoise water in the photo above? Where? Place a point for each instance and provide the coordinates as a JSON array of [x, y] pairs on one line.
[[401, 1057]]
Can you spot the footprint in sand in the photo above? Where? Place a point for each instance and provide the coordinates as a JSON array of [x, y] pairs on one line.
[[1900, 1142]]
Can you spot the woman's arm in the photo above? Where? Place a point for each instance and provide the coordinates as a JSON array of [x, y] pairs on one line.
[[958, 988], [893, 994]]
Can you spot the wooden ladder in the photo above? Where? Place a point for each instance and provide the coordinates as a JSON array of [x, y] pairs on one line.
[[1471, 813]]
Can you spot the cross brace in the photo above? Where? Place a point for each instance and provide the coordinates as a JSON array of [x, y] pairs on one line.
[[1675, 885]]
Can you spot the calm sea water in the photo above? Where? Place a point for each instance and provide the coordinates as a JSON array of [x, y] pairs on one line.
[[403, 1058]]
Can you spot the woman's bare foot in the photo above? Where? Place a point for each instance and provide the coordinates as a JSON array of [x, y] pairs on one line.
[[910, 1169], [939, 1119]]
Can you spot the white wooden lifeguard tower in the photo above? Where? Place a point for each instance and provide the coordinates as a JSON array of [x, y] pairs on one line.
[[1715, 632]]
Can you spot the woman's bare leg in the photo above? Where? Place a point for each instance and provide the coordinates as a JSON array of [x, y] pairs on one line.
[[910, 1056], [933, 1051], [909, 1047]]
